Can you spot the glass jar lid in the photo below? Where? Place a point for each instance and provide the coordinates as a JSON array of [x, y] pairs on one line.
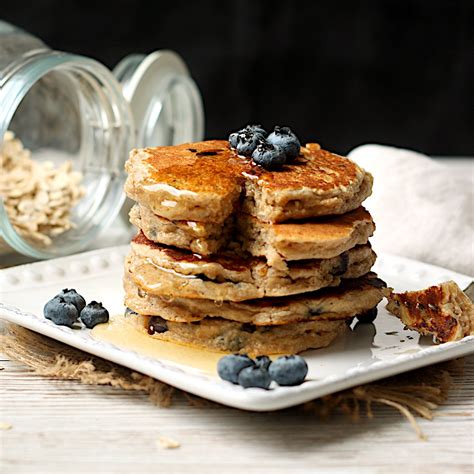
[[164, 99]]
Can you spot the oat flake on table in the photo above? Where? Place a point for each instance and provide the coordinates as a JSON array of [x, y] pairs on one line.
[[38, 197], [168, 443]]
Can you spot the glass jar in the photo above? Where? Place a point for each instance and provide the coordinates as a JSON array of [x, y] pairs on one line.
[[77, 122]]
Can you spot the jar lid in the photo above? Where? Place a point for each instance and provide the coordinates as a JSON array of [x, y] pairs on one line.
[[164, 99]]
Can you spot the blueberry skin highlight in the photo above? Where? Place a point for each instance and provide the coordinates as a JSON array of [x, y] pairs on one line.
[[254, 376], [268, 156], [73, 297], [263, 361], [247, 142], [94, 313], [234, 139], [288, 370], [230, 365], [256, 128], [60, 312], [284, 137]]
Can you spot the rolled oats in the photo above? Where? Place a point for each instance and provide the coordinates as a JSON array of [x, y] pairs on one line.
[[38, 197]]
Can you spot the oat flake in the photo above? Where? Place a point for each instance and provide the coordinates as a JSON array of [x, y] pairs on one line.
[[38, 197]]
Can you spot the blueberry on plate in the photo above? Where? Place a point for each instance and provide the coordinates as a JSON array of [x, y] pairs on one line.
[[94, 313], [73, 297], [247, 142], [263, 361], [254, 376], [286, 139], [368, 317], [288, 370], [268, 156], [60, 311], [230, 365]]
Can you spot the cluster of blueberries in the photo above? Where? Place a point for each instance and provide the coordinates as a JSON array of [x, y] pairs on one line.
[[68, 306], [241, 369], [267, 150]]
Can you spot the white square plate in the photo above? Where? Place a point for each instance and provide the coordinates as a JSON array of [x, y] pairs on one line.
[[366, 353]]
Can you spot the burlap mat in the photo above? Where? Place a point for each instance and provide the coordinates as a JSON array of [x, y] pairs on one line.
[[416, 393]]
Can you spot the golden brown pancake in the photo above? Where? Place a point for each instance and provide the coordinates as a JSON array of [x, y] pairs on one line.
[[323, 237], [349, 299], [228, 336], [167, 271], [207, 181]]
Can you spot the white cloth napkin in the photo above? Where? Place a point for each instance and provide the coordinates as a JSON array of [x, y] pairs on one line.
[[423, 209]]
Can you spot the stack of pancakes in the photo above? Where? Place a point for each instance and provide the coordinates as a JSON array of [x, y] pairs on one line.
[[233, 257]]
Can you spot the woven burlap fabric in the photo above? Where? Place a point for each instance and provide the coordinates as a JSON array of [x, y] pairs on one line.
[[417, 393]]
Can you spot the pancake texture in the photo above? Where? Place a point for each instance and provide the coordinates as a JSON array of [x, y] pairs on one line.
[[204, 238], [208, 181], [230, 336], [349, 299], [324, 237], [443, 311], [162, 270]]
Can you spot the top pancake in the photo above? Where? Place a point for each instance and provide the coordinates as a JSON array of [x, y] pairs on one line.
[[206, 181]]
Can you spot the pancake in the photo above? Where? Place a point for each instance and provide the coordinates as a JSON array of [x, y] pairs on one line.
[[161, 270], [229, 336], [349, 299], [204, 238], [324, 237], [207, 182], [442, 311]]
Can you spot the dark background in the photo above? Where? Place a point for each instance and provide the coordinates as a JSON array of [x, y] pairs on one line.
[[340, 73]]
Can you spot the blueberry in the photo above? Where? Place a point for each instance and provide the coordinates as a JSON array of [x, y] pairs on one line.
[[288, 370], [247, 142], [254, 376], [263, 362], [94, 313], [367, 317], [60, 311], [234, 139], [130, 312], [229, 366], [157, 324], [256, 128], [285, 138], [269, 156], [73, 297]]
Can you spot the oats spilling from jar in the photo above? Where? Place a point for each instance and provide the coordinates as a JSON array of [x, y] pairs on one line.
[[38, 196]]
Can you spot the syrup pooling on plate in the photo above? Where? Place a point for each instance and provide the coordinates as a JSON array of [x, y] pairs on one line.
[[126, 332]]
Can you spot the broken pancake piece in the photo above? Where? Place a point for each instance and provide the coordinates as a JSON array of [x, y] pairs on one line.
[[160, 270], [206, 182], [349, 299], [442, 311]]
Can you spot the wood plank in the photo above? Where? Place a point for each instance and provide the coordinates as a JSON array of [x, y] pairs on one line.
[[61, 426]]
